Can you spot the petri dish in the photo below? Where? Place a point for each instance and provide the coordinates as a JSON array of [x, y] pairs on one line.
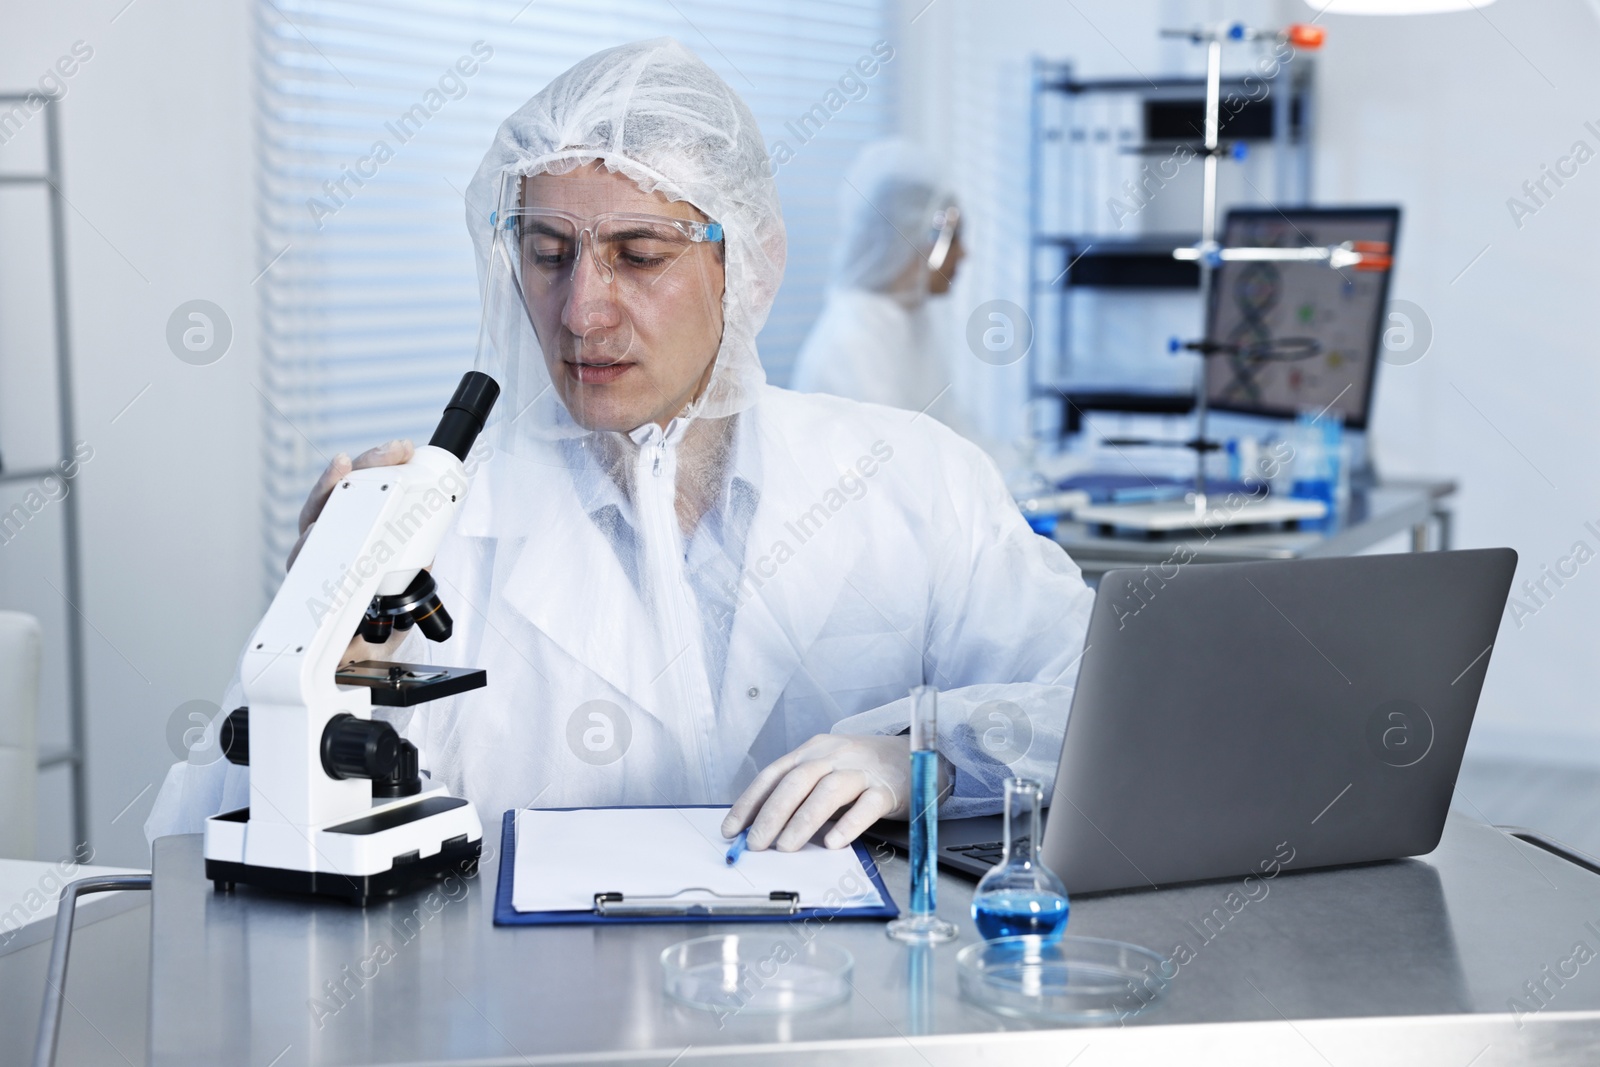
[[1073, 979], [762, 974]]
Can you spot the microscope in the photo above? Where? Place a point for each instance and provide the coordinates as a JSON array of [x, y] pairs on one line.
[[337, 804]]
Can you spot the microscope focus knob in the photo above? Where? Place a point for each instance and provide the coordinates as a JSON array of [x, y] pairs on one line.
[[359, 748], [406, 781], [234, 737]]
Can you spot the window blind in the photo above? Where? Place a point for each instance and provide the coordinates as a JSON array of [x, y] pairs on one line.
[[372, 117]]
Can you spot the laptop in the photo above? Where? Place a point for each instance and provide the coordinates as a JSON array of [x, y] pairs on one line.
[[1228, 715]]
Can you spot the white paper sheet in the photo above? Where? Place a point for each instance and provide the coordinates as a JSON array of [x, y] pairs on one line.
[[565, 857]]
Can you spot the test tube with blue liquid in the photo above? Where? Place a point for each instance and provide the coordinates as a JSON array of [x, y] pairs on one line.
[[922, 926], [1020, 896]]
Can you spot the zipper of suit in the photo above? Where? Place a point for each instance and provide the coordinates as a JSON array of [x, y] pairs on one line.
[[659, 500]]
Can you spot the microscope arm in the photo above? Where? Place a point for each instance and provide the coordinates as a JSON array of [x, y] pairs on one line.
[[379, 529]]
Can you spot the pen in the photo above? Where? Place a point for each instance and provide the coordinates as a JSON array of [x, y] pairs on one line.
[[736, 849]]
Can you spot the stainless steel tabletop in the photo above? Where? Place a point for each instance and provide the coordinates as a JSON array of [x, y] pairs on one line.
[[1370, 517], [1416, 962]]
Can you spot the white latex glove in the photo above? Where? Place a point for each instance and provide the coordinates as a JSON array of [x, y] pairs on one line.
[[799, 792], [387, 455]]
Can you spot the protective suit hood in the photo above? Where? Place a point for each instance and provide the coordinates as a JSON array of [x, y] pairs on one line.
[[652, 111], [887, 206]]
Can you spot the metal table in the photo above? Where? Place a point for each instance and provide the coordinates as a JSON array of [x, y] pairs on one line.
[[1371, 516], [1411, 962]]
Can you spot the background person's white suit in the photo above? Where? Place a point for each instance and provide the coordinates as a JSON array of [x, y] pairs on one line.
[[848, 551]]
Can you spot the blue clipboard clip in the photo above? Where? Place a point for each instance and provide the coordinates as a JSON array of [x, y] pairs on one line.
[[616, 905]]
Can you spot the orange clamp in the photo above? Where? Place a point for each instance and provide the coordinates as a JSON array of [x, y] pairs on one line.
[[1304, 35], [1374, 255]]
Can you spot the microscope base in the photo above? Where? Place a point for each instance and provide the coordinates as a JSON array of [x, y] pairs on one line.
[[459, 857], [397, 845]]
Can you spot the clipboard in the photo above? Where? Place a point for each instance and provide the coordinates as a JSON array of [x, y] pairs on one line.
[[613, 907]]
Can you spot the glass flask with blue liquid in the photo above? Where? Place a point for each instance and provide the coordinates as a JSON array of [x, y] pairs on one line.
[[1020, 896]]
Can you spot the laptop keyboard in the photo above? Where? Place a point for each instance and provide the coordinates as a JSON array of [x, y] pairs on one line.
[[985, 852]]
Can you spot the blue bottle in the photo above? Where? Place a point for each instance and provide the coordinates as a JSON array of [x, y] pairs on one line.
[[1021, 896], [1319, 446]]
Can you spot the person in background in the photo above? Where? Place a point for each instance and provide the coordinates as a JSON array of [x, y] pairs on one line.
[[900, 245]]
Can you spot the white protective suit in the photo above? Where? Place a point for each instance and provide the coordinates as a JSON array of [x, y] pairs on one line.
[[874, 340], [848, 553]]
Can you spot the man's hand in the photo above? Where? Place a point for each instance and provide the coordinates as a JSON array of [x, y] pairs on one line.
[[792, 798]]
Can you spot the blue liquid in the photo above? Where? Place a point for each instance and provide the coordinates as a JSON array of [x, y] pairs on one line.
[[1315, 489], [924, 830], [1020, 914]]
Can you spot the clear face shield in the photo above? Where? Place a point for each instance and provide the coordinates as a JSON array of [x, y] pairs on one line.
[[606, 317]]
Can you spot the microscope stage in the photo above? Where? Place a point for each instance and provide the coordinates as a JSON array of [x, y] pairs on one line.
[[400, 685]]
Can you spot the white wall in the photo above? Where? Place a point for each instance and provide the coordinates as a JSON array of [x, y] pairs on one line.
[[1449, 115], [156, 157], [1446, 115]]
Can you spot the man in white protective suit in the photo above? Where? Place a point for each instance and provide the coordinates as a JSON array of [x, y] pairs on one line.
[[688, 586]]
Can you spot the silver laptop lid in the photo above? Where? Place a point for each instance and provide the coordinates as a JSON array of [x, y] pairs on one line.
[[1229, 715]]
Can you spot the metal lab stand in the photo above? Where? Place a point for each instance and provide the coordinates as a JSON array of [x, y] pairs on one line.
[[1373, 516], [1062, 152], [1411, 962], [73, 753]]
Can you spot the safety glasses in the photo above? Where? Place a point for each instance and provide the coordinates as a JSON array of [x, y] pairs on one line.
[[633, 250], [946, 224]]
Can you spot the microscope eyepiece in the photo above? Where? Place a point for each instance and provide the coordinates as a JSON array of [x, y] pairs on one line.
[[466, 413]]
